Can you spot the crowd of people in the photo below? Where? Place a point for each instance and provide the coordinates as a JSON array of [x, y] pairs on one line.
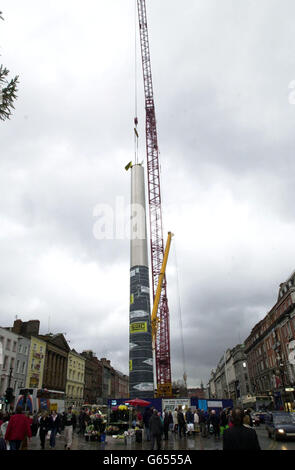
[[229, 424], [234, 425], [17, 428]]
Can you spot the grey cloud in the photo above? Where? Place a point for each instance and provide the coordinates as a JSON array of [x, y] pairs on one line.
[[221, 72]]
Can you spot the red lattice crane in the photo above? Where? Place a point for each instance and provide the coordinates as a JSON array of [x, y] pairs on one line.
[[162, 343]]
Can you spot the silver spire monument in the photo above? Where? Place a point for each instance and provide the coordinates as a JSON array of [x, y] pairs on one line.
[[141, 376]]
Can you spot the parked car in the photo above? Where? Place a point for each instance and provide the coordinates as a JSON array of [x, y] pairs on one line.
[[280, 425]]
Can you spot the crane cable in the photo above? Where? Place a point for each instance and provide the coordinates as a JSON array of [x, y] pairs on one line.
[[180, 318], [135, 85]]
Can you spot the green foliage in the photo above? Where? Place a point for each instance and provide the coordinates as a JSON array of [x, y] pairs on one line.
[[8, 90]]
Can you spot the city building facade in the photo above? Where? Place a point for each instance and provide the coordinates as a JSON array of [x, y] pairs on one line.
[[231, 380], [36, 363], [56, 362], [75, 380], [121, 385], [93, 378], [46, 363], [8, 352], [270, 350], [22, 361]]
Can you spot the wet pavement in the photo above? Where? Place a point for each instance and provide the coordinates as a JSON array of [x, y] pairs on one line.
[[195, 442]]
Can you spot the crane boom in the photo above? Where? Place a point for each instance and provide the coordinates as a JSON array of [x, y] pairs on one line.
[[162, 343], [154, 318]]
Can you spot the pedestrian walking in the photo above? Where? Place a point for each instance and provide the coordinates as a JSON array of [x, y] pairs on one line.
[[18, 429], [230, 419], [54, 426], [43, 428], [156, 429], [204, 423], [146, 421], [69, 422], [171, 423], [175, 420], [166, 425], [240, 437], [82, 424], [189, 416], [223, 422], [3, 428], [196, 421], [2, 440], [34, 425], [214, 420], [181, 422]]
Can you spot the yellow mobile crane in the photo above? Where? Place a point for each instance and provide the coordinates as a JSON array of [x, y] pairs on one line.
[[164, 389], [155, 320]]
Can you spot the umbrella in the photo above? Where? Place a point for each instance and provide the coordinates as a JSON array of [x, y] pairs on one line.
[[138, 402]]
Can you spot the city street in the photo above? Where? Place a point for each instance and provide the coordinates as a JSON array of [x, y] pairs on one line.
[[174, 443]]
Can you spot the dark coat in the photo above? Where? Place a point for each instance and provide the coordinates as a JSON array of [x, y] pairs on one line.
[[43, 424], [223, 419], [54, 424], [180, 418], [147, 416], [189, 417], [69, 419], [156, 426], [240, 438], [214, 420], [166, 421]]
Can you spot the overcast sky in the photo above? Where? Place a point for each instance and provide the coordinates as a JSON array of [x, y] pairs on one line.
[[221, 73]]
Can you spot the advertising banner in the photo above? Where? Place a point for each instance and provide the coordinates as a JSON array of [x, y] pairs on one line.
[[139, 327]]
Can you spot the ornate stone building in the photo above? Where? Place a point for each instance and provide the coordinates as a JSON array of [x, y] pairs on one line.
[[231, 378], [55, 370]]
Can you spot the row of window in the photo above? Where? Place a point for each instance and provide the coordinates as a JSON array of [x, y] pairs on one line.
[[75, 392], [22, 349], [20, 365], [72, 363], [275, 313], [72, 375], [9, 342], [267, 345], [35, 348]]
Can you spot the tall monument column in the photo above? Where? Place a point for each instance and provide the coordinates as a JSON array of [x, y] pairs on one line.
[[141, 375]]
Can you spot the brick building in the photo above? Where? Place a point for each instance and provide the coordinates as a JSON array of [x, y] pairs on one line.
[[270, 348], [93, 378]]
